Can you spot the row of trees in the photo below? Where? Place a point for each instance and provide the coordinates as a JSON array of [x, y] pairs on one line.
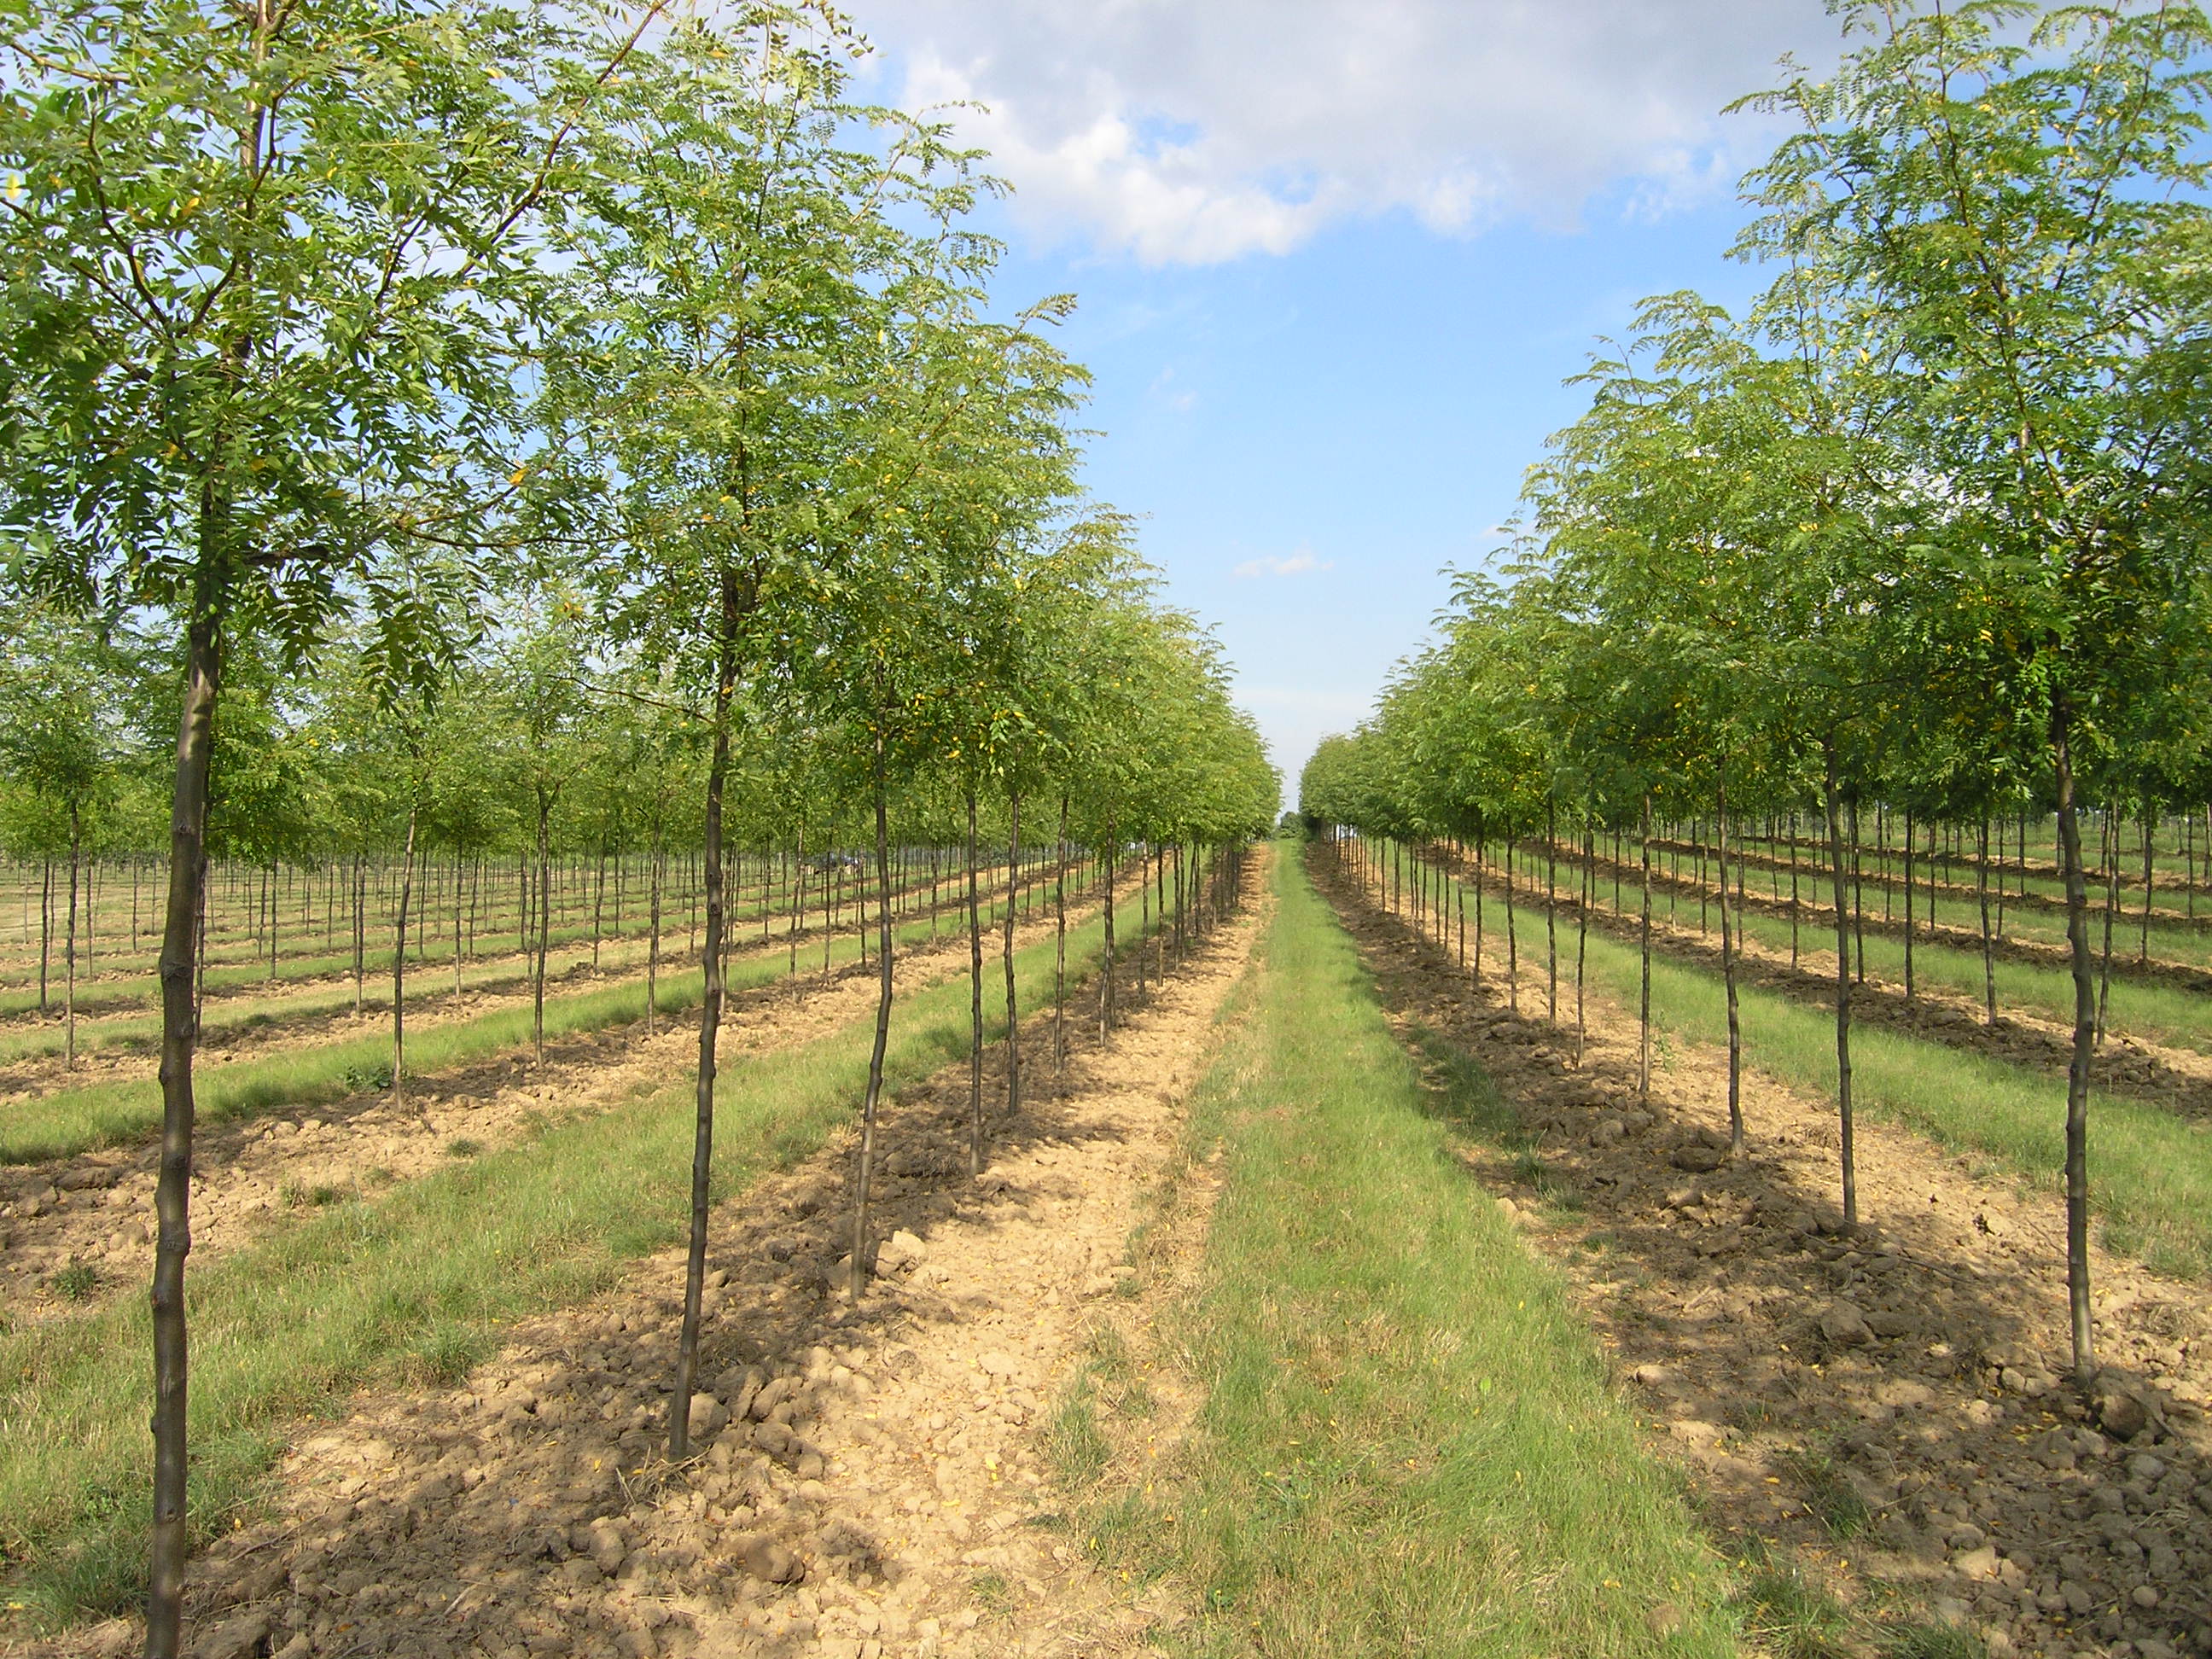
[[1923, 528], [623, 358]]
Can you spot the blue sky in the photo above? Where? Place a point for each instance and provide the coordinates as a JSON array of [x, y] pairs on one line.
[[1335, 261]]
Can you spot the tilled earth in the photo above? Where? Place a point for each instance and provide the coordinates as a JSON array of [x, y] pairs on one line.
[[76, 1230], [869, 1480], [1881, 1406], [2176, 1078]]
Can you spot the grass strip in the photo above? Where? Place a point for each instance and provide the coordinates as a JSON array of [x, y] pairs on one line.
[[2147, 1008], [2150, 1172], [1407, 1444], [140, 987], [411, 1286], [73, 1121]]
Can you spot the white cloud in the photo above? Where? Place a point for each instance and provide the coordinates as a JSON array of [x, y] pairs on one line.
[[1296, 564], [1162, 388], [1191, 133]]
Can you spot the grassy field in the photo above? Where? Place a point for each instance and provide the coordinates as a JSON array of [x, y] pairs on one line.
[[413, 1284], [1407, 1444], [2150, 1172], [67, 1122], [2155, 1011]]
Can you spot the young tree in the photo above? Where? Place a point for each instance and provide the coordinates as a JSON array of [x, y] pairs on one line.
[[267, 281], [2014, 215]]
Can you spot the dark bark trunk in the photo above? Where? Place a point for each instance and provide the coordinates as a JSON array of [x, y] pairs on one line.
[[1988, 954], [975, 1002], [544, 924], [1643, 995], [1060, 948], [45, 934], [1106, 989], [2112, 841], [1858, 890], [1840, 873], [69, 942], [399, 970], [1512, 937], [1910, 987], [857, 1278], [1582, 933], [653, 940], [360, 931], [1479, 839], [1728, 977], [1013, 1013], [2085, 1038], [2150, 876], [710, 1028], [173, 1192], [1552, 911]]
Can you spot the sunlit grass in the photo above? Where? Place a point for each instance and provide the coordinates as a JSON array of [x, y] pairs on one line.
[[1406, 1444]]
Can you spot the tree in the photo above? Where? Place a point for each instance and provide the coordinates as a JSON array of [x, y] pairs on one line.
[[266, 291], [2015, 222]]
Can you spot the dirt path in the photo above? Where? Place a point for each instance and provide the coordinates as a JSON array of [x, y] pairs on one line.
[[873, 1479], [75, 1232], [1881, 1406]]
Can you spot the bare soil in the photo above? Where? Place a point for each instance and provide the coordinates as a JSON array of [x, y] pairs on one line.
[[871, 1480], [79, 1230], [1881, 1406]]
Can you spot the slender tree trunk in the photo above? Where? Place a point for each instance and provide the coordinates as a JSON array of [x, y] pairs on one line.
[[2149, 853], [1060, 948], [1727, 976], [1478, 861], [975, 1002], [2085, 1043], [1793, 892], [399, 970], [1989, 955], [1581, 929], [1512, 937], [544, 924], [1858, 889], [167, 1543], [799, 900], [1014, 1019], [1910, 987], [69, 942], [1552, 911], [857, 1278], [2111, 843], [652, 938], [1144, 913], [1106, 988], [45, 934], [1841, 873], [360, 931], [710, 1028], [1643, 995]]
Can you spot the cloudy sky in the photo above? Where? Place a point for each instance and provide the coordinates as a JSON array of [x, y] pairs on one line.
[[1334, 258]]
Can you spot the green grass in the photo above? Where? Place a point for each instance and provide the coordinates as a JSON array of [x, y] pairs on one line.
[[2147, 1008], [73, 1121], [1408, 1445], [412, 1285], [2150, 1172], [300, 973]]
